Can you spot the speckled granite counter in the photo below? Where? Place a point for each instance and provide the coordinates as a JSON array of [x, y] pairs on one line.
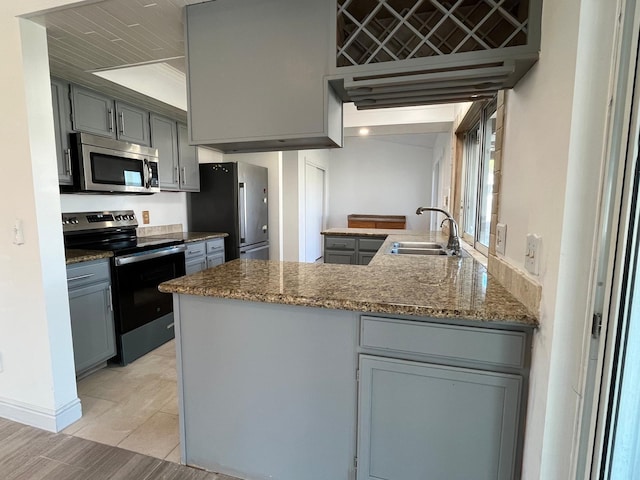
[[189, 237], [369, 232], [76, 255], [426, 286]]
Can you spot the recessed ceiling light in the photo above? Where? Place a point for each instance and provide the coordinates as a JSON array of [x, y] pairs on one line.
[[89, 32], [150, 5], [117, 40], [363, 131], [133, 25]]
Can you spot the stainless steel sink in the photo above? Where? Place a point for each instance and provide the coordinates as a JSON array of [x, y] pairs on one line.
[[429, 245], [418, 251]]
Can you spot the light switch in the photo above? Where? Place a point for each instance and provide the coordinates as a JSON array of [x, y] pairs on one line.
[[501, 238], [18, 232], [532, 253]]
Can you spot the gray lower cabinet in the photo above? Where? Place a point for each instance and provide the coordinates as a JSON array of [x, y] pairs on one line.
[[202, 255], [418, 420], [91, 309], [351, 250], [440, 401], [62, 128]]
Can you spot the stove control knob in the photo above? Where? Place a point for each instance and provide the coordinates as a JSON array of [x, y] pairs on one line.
[[132, 217], [75, 221], [65, 222], [118, 217]]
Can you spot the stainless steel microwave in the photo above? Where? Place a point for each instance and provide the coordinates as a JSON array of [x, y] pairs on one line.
[[105, 165]]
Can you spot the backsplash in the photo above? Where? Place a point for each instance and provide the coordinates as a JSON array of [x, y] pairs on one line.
[[159, 230]]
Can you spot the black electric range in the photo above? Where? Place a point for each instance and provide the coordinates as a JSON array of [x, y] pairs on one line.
[[143, 316]]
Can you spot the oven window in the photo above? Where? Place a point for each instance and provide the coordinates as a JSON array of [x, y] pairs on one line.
[[139, 301], [112, 170]]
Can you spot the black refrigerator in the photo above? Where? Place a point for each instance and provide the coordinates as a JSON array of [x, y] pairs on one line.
[[233, 199]]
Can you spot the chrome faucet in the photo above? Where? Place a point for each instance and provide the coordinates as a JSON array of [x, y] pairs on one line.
[[454, 240]]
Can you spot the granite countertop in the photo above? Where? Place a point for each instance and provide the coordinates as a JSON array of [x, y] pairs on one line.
[[190, 237], [78, 255], [426, 286], [369, 232]]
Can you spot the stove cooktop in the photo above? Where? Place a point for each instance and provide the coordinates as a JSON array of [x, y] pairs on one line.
[[109, 230]]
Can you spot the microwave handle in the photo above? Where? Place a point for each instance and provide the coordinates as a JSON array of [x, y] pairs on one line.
[[147, 174]]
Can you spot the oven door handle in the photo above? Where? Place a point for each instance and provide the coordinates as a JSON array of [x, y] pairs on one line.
[[143, 256]]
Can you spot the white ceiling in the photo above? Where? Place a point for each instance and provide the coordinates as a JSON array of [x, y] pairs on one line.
[[104, 35]]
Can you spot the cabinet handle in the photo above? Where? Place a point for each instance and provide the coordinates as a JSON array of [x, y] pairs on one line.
[[110, 299], [110, 119], [175, 174], [121, 117], [184, 174], [67, 156], [170, 326], [80, 277]]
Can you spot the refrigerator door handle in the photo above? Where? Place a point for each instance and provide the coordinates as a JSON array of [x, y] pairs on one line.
[[242, 200]]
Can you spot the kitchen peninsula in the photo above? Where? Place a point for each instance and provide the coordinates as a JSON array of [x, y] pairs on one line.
[[410, 367]]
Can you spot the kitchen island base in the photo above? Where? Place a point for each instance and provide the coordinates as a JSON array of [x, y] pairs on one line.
[[266, 390], [270, 390]]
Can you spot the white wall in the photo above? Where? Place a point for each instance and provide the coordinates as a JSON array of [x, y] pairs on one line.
[[554, 130], [293, 198], [372, 176], [37, 383], [273, 162], [165, 208]]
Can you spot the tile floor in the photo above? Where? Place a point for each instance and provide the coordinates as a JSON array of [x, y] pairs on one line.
[[133, 407]]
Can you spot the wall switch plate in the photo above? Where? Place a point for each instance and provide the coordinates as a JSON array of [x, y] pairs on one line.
[[501, 238], [18, 232], [532, 253], [145, 217]]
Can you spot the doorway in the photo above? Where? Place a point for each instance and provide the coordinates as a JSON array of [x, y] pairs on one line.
[[314, 211]]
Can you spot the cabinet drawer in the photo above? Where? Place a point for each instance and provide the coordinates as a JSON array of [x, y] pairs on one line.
[[339, 243], [476, 345], [370, 244], [216, 245], [88, 273], [194, 250]]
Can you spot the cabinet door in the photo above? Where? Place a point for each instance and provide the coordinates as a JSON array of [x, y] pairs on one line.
[[188, 161], [92, 325], [419, 420], [365, 257], [62, 128], [133, 124], [215, 260], [164, 137], [346, 257], [194, 266], [92, 112]]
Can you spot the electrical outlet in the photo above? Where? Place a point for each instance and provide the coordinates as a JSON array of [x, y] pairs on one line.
[[532, 253], [501, 238], [145, 217]]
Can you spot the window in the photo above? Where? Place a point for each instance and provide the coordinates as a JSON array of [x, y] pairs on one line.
[[477, 187]]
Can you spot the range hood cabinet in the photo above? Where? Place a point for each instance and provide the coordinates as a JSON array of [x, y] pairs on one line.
[[256, 75]]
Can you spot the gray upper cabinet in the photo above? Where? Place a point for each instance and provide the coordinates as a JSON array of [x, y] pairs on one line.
[[188, 162], [164, 137], [133, 124], [252, 88], [95, 113], [92, 112], [179, 170], [62, 128]]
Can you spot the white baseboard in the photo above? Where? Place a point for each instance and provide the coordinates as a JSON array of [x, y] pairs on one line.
[[44, 418]]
